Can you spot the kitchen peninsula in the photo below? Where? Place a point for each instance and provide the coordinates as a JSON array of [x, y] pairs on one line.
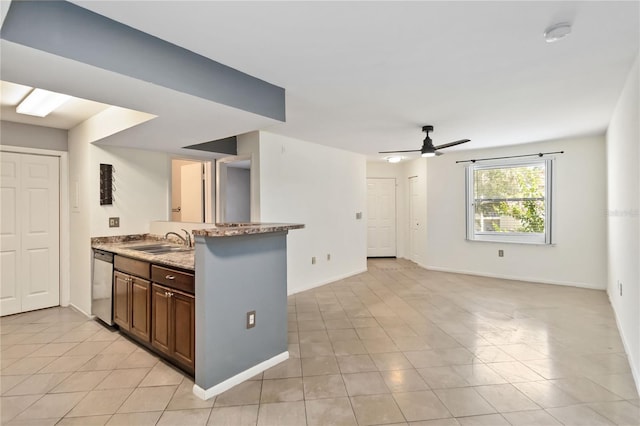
[[240, 272], [240, 269]]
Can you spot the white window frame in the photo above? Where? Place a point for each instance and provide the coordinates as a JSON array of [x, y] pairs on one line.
[[510, 237]]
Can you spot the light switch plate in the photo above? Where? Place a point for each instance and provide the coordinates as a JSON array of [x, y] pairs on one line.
[[251, 319], [114, 222]]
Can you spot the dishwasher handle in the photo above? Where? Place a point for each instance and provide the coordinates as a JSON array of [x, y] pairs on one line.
[[105, 256]]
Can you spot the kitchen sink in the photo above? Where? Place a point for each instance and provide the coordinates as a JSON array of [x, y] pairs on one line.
[[159, 248]]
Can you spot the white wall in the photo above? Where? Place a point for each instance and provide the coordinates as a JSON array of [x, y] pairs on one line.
[[623, 178], [142, 180], [29, 136], [579, 224], [323, 188]]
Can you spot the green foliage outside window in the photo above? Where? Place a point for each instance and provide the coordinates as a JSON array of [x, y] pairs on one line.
[[515, 192]]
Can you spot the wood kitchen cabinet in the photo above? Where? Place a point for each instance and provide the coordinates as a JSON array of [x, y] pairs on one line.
[[156, 305], [173, 316], [132, 297], [174, 324], [121, 296]]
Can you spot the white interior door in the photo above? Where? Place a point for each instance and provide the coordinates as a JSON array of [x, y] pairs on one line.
[[191, 193], [30, 232], [381, 217], [10, 234], [414, 218]]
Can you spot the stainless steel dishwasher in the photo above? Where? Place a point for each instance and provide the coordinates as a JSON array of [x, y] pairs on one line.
[[102, 286]]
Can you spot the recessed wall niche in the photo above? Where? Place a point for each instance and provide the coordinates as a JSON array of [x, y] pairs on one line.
[[106, 184]]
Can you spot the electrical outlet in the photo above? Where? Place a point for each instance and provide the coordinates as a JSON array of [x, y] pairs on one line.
[[251, 319], [328, 256], [114, 222], [500, 253], [313, 260]]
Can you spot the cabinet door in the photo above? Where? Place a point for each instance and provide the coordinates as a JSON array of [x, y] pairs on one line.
[[121, 302], [160, 318], [140, 309], [183, 332]]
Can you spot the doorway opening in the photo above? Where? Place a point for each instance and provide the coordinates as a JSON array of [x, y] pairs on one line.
[[191, 191], [233, 189]]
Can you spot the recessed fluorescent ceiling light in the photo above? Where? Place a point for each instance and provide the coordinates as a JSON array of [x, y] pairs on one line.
[[557, 32], [41, 102], [394, 159]]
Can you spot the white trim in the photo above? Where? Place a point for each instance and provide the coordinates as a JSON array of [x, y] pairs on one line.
[[327, 281], [512, 278], [239, 378], [543, 238], [71, 305], [634, 372], [65, 225]]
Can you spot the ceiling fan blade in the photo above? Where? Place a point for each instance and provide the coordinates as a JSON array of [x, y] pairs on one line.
[[393, 152], [438, 153], [450, 144]]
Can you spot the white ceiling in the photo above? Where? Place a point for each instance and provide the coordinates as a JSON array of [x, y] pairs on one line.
[[66, 116], [365, 76]]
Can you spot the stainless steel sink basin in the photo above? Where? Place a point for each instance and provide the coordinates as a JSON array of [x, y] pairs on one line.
[[159, 248]]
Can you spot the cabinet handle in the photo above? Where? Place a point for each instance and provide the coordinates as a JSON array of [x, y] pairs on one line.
[[170, 277], [168, 293]]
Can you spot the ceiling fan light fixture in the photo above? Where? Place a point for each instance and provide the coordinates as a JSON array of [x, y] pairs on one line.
[[557, 32], [41, 103], [428, 154], [394, 159]]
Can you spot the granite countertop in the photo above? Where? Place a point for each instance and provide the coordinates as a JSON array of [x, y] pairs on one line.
[[124, 245], [185, 257], [234, 229]]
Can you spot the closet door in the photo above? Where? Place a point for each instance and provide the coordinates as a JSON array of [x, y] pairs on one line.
[[381, 217], [29, 232]]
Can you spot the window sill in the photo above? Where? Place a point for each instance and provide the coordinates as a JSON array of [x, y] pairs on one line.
[[509, 241]]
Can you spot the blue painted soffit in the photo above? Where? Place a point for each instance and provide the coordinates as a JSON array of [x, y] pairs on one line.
[[64, 29]]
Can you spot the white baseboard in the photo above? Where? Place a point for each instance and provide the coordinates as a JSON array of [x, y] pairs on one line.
[[81, 311], [634, 368], [327, 281], [239, 378], [511, 278]]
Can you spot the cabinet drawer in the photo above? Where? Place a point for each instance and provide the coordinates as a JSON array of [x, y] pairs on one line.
[[172, 278], [132, 266]]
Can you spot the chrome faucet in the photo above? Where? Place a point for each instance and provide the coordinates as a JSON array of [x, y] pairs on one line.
[[186, 241]]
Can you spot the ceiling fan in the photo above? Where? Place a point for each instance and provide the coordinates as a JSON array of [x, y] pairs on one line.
[[428, 150]]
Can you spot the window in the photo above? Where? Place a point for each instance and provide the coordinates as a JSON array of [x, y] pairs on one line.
[[510, 201]]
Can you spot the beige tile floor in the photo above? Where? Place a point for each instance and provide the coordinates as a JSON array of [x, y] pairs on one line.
[[395, 345]]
